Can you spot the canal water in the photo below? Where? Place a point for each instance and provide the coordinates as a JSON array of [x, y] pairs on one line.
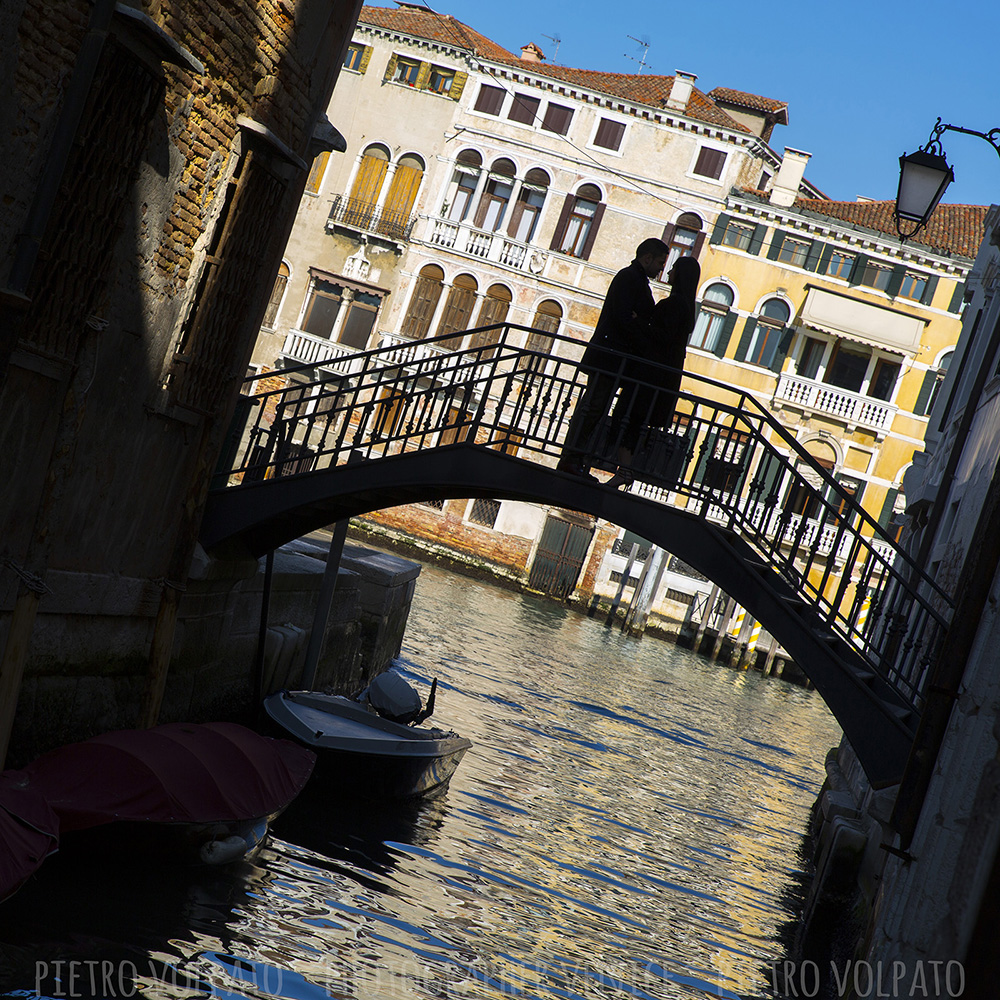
[[628, 824]]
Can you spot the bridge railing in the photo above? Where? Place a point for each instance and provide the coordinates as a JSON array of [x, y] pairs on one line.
[[724, 457]]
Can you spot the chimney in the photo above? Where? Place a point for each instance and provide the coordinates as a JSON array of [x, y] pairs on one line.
[[680, 91], [785, 187], [531, 53]]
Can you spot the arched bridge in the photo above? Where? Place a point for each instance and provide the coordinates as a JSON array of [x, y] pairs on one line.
[[726, 487]]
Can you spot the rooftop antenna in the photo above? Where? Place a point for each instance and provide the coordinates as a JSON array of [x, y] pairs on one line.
[[645, 52], [557, 40]]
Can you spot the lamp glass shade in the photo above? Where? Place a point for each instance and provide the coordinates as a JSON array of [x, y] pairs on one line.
[[923, 179]]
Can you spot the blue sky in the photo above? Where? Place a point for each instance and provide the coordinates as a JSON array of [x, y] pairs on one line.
[[865, 80]]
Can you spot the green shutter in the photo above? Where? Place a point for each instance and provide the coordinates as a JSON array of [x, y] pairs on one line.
[[366, 56], [824, 261], [706, 452], [767, 478], [720, 228], [886, 515], [745, 338], [895, 281], [928, 297], [781, 352], [725, 334], [858, 271], [757, 240], [812, 258], [920, 407], [957, 298], [776, 241], [458, 85]]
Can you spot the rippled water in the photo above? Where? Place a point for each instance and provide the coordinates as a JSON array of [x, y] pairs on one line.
[[627, 824]]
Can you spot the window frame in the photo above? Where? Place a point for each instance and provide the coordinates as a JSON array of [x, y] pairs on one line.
[[354, 48], [733, 225], [846, 258], [709, 149], [531, 106], [484, 89], [444, 73], [563, 110], [408, 63], [603, 121]]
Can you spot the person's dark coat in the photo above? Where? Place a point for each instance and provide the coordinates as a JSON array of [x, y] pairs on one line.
[[624, 321]]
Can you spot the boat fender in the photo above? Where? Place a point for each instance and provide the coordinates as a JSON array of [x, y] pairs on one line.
[[221, 852], [393, 698]]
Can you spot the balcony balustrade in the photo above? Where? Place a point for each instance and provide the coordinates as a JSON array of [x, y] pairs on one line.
[[366, 217], [851, 408], [307, 349], [496, 247]]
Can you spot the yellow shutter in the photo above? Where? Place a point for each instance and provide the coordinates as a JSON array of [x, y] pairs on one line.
[[391, 68], [317, 171], [365, 59], [368, 182], [423, 75], [403, 191], [458, 85]]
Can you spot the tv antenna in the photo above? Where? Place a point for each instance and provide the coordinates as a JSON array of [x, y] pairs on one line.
[[645, 52], [556, 40]]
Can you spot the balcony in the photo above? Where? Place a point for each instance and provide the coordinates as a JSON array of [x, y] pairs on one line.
[[351, 213], [850, 408], [496, 247], [303, 348]]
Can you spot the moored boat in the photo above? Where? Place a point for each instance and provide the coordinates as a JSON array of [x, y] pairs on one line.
[[361, 752]]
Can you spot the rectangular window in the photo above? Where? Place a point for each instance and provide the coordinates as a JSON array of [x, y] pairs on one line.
[[578, 228], [914, 285], [484, 512], [440, 80], [763, 344], [884, 379], [609, 134], [524, 109], [847, 367], [557, 118], [489, 100], [812, 355], [322, 308], [840, 263], [738, 236], [876, 276], [355, 53], [710, 162], [360, 320], [794, 252], [707, 328], [407, 71], [436, 504]]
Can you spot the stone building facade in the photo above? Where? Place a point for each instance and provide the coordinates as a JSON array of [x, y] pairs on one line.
[[155, 154]]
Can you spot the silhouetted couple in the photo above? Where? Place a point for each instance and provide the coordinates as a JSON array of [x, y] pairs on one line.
[[631, 323]]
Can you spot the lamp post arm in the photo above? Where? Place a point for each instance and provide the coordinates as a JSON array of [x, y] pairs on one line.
[[933, 144]]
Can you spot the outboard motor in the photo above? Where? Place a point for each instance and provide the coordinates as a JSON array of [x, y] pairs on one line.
[[393, 698]]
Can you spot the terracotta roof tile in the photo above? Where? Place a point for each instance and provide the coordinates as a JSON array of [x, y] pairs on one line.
[[953, 229], [646, 89], [754, 101]]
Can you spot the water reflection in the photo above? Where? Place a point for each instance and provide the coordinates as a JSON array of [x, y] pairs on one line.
[[626, 823]]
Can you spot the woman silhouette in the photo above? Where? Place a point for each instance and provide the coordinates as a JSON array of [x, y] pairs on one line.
[[670, 325]]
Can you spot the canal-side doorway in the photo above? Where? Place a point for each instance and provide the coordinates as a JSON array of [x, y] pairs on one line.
[[559, 558]]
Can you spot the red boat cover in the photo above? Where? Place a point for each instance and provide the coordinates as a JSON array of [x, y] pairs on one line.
[[29, 830], [178, 773]]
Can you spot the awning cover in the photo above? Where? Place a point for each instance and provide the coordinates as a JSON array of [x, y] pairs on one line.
[[845, 316]]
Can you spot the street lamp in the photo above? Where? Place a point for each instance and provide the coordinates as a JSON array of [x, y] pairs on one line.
[[925, 175]]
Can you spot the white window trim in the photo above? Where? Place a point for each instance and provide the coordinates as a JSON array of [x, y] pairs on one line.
[[722, 148], [620, 151]]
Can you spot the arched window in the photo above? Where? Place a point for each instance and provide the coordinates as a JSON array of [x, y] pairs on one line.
[[528, 207], [494, 310], [277, 294], [684, 238], [401, 196], [367, 186], [548, 316], [423, 302], [578, 222], [765, 337], [468, 167], [458, 309], [715, 321], [807, 488], [496, 195], [931, 386]]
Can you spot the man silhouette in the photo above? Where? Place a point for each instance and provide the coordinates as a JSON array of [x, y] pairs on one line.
[[622, 327]]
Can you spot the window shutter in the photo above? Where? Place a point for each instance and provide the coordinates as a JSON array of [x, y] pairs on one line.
[[391, 67], [887, 506], [928, 296], [957, 298], [458, 85], [366, 57], [423, 75], [720, 228], [515, 215], [895, 281], [858, 271], [744, 344], [776, 241], [725, 334], [708, 448], [781, 352], [699, 242], [757, 240], [588, 243], [557, 236], [824, 260], [923, 397], [812, 258], [767, 478], [668, 233]]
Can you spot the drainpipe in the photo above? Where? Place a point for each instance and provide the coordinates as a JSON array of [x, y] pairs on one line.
[[14, 299]]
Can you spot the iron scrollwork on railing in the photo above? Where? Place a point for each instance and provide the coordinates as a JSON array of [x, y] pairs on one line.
[[367, 217]]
